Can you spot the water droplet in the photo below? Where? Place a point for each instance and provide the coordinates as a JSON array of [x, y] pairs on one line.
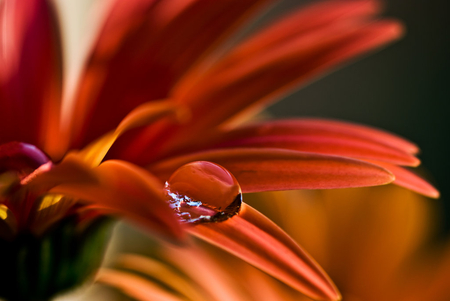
[[202, 192]]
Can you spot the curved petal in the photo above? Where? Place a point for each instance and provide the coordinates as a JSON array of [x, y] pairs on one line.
[[144, 114], [220, 285], [255, 239], [225, 94], [326, 128], [329, 146], [270, 75], [163, 273], [409, 180], [311, 17], [275, 169], [30, 59], [124, 189], [135, 286], [313, 135], [141, 52]]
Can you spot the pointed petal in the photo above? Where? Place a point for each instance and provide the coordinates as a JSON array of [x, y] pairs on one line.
[[317, 15], [135, 286], [141, 52], [255, 239], [123, 189], [363, 132], [227, 94], [317, 136], [270, 75], [320, 14], [329, 146], [409, 180], [31, 73], [326, 127], [275, 169]]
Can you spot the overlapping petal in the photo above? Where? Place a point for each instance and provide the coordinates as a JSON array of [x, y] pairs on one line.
[[277, 169], [313, 135], [227, 91], [144, 114], [141, 52], [161, 272], [409, 180], [114, 187], [254, 238], [135, 286]]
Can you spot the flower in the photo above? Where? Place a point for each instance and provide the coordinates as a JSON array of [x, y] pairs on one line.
[[374, 242], [159, 87]]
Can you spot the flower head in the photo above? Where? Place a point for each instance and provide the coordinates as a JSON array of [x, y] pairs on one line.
[[158, 91]]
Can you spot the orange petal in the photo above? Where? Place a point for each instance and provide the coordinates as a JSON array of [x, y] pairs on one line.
[[225, 95], [317, 136], [409, 180], [276, 169], [70, 170], [135, 286], [163, 273], [141, 52], [271, 75], [255, 239], [144, 114], [127, 190], [31, 73], [326, 128], [303, 20], [221, 284]]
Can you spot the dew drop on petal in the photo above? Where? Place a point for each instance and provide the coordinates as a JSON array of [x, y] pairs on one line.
[[203, 192]]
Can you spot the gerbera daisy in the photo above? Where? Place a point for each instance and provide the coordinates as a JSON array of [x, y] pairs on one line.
[[159, 81]]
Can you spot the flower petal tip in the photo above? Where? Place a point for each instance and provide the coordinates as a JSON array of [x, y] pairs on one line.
[[395, 29], [434, 193], [329, 293]]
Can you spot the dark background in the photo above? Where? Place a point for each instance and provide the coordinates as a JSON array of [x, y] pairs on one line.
[[403, 88]]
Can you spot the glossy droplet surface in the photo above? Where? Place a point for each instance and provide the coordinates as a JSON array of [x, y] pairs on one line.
[[203, 192]]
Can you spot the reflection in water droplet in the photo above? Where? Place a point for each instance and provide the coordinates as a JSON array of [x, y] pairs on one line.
[[202, 192]]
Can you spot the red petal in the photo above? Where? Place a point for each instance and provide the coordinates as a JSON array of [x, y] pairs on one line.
[[125, 189], [409, 180], [304, 20], [255, 239], [275, 169], [31, 73], [144, 114], [270, 75], [226, 94], [143, 48], [313, 135]]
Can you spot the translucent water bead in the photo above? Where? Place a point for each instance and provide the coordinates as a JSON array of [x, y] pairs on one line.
[[203, 192]]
